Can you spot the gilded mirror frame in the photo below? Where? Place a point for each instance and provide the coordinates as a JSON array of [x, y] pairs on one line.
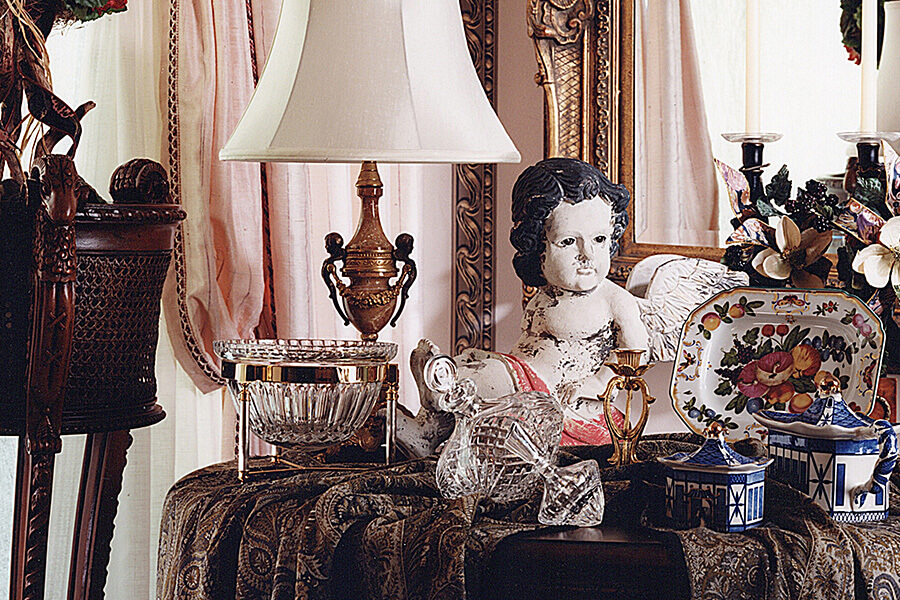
[[472, 322], [585, 55]]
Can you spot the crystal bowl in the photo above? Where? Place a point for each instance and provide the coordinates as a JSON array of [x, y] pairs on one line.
[[305, 393], [304, 352]]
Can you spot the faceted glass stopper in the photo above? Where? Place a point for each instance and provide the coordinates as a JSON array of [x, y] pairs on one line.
[[456, 395], [573, 495], [441, 373]]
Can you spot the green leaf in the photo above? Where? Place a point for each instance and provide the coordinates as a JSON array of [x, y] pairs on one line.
[[724, 388], [765, 209], [751, 336], [803, 385], [706, 334], [793, 338], [870, 191], [729, 359], [764, 348], [755, 304], [731, 425], [738, 403], [779, 189]]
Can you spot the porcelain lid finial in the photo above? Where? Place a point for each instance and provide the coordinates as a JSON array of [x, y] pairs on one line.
[[828, 385]]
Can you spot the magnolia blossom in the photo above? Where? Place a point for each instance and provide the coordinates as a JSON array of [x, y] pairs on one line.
[[880, 262], [795, 252]]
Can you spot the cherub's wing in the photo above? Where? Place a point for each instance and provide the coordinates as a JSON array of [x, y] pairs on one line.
[[677, 287]]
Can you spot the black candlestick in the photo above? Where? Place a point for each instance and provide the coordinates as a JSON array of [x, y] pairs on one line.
[[752, 145], [752, 168], [868, 164]]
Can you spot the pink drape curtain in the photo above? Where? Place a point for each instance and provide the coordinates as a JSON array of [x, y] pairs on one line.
[[218, 286], [675, 180]]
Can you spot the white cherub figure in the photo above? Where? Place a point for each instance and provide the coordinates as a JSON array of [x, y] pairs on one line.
[[568, 219], [567, 222]]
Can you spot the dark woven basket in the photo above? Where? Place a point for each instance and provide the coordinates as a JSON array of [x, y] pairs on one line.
[[123, 256]]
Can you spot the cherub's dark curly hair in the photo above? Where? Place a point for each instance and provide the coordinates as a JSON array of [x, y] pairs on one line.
[[539, 190]]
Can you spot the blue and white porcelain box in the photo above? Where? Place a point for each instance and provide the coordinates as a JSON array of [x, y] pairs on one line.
[[715, 487], [842, 460]]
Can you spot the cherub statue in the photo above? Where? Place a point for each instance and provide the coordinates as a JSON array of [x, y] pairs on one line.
[[567, 222]]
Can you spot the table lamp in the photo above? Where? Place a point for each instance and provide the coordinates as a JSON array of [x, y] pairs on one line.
[[369, 80]]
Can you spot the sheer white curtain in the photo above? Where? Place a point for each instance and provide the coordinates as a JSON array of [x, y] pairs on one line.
[[121, 63], [674, 180]]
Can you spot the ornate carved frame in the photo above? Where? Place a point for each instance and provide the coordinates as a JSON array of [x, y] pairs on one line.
[[473, 264], [585, 52]]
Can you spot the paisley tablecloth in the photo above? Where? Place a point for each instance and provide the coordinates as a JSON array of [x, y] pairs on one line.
[[385, 532]]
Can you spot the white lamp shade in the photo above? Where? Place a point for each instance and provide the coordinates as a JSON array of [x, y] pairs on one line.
[[383, 80]]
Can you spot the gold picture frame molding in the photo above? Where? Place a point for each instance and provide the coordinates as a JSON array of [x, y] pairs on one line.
[[472, 324], [585, 54]]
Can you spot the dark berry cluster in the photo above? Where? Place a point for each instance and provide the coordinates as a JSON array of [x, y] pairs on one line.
[[814, 201], [829, 346], [745, 353], [802, 203], [730, 373], [821, 223], [815, 189]]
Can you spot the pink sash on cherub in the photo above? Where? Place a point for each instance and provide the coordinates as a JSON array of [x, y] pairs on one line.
[[576, 431]]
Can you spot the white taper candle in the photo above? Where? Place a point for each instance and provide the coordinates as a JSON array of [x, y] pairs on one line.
[[751, 99], [869, 48]]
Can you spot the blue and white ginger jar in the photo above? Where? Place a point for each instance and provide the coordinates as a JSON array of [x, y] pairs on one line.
[[715, 486], [841, 459]]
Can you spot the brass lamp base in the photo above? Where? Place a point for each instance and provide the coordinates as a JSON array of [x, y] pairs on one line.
[[370, 261]]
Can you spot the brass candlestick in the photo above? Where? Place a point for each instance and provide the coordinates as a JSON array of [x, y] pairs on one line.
[[628, 370], [370, 261]]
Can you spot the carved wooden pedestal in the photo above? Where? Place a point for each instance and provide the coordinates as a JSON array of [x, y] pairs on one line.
[[85, 364]]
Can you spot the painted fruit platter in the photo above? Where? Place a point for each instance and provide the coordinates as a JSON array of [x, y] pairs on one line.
[[749, 349]]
